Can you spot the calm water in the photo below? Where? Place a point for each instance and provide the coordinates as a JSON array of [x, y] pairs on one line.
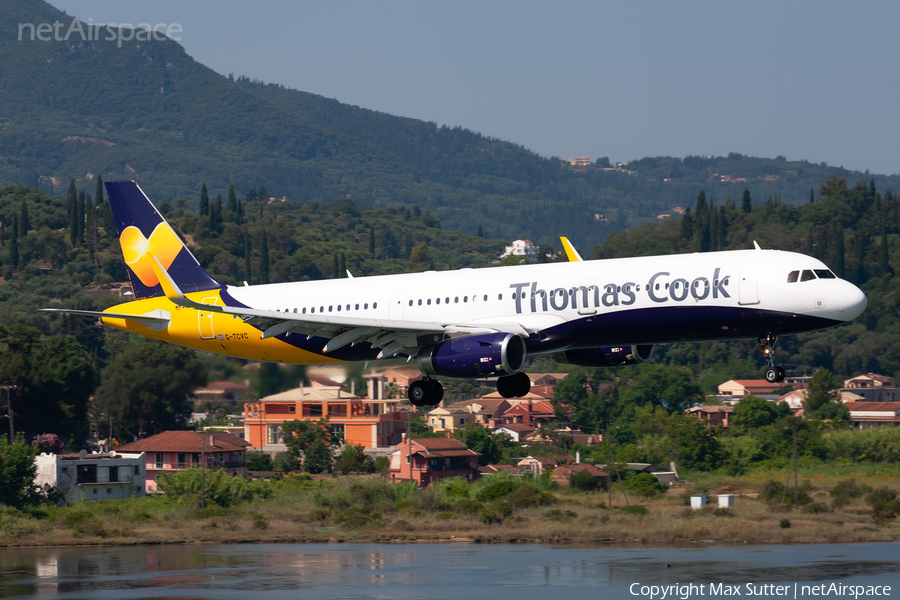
[[408, 571]]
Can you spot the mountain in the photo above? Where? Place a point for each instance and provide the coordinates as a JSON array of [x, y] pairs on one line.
[[147, 111]]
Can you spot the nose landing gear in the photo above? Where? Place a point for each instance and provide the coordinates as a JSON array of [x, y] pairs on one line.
[[774, 374]]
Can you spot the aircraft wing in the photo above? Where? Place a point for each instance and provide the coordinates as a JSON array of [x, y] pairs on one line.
[[393, 336]]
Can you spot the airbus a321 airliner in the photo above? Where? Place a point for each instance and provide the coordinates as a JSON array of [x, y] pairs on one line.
[[473, 322]]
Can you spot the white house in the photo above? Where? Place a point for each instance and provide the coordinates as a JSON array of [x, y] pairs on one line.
[[524, 248], [99, 476]]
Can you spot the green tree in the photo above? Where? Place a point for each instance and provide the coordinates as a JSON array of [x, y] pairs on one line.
[[695, 443], [751, 413], [746, 202], [23, 219], [310, 442], [672, 388], [837, 249], [231, 207], [372, 241], [147, 388], [14, 243], [353, 459], [204, 201], [17, 470], [481, 440], [822, 390], [264, 259]]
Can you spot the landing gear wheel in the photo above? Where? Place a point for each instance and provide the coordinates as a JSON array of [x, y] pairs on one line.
[[418, 393], [514, 386], [774, 374], [425, 392], [435, 391]]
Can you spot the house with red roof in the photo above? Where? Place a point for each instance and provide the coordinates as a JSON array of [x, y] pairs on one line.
[[173, 451], [516, 431], [713, 415], [425, 460], [531, 410], [738, 388], [869, 415], [562, 473]]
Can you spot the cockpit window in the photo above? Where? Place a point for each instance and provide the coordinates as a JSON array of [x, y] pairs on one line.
[[807, 275], [825, 274], [792, 276]]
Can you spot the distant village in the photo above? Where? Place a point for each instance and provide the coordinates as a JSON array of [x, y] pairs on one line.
[[380, 422]]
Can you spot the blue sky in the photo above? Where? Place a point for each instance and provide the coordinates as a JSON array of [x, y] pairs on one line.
[[806, 80]]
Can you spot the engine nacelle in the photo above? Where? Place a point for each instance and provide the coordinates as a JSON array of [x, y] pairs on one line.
[[474, 356], [607, 356]]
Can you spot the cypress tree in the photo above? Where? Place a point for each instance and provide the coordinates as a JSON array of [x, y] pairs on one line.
[[14, 243], [837, 249], [746, 202], [480, 231], [24, 219], [204, 201], [99, 193], [409, 245], [247, 257], [372, 241], [862, 244], [687, 226], [335, 272], [231, 206], [723, 228], [80, 217], [343, 266], [215, 215], [264, 259], [812, 196], [239, 214], [884, 263], [71, 211]]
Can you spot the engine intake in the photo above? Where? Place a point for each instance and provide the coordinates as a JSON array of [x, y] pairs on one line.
[[606, 356], [474, 356]]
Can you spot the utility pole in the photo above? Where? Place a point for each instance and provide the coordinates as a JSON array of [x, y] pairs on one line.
[[9, 411], [203, 472], [608, 470]]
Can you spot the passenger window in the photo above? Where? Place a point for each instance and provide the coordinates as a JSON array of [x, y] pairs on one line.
[[339, 308], [499, 296], [792, 276], [485, 297], [806, 275], [366, 306], [446, 300], [428, 302], [348, 307], [465, 298], [410, 302], [456, 300], [357, 306], [825, 274], [321, 309], [438, 301], [313, 309], [374, 305], [420, 302], [330, 307]]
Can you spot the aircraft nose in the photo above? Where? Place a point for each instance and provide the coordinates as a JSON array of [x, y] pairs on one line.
[[853, 302]]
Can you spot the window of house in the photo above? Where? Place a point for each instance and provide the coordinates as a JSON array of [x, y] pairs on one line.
[[792, 276], [137, 470], [159, 460], [292, 409], [113, 474], [181, 459], [86, 474], [195, 458]]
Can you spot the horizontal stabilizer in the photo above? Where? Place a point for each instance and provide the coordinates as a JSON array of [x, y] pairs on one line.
[[156, 320]]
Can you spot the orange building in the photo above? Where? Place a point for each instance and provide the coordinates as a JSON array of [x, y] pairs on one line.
[[359, 421]]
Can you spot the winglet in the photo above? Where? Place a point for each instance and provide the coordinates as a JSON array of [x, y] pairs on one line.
[[756, 246], [571, 252]]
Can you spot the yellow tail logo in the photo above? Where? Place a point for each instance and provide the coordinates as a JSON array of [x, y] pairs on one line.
[[139, 251]]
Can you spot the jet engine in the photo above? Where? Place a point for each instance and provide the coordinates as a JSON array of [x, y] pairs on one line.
[[606, 356], [474, 356]]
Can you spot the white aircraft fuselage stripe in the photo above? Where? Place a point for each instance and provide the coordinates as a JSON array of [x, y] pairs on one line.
[[546, 295]]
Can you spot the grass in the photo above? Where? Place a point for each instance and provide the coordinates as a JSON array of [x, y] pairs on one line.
[[298, 509]]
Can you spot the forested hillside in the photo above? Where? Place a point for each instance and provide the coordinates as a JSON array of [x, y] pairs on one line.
[[147, 111], [854, 229]]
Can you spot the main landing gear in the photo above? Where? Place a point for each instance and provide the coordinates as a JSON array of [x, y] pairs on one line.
[[425, 392], [514, 386], [774, 374]]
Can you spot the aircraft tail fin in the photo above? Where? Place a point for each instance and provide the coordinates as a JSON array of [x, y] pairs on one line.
[[145, 234]]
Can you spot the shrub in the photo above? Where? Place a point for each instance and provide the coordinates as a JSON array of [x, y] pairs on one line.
[[445, 516], [497, 490], [358, 517], [529, 495], [785, 524], [645, 485], [582, 481], [468, 506], [260, 522], [495, 512], [848, 489], [454, 487], [772, 491], [814, 508], [723, 512], [884, 503], [318, 514], [259, 461], [635, 509]]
